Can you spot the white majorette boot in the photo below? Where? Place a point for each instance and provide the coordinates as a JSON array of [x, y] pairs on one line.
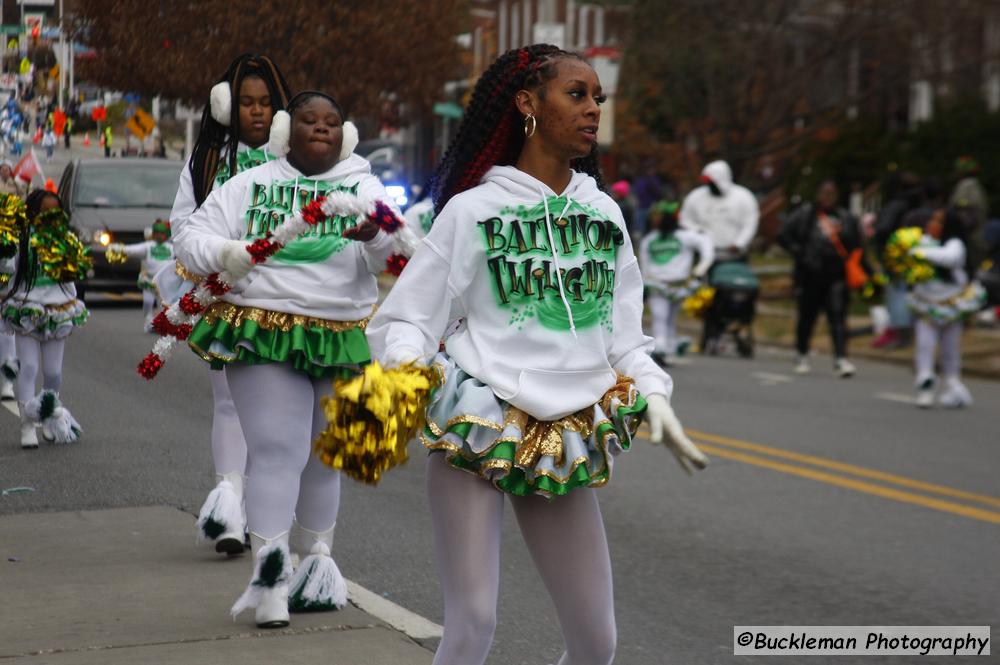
[[317, 585], [9, 369], [29, 437], [221, 519], [267, 592], [954, 394], [58, 424], [925, 391]]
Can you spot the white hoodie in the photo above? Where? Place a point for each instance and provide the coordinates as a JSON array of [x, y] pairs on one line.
[[548, 346], [420, 216], [320, 274], [669, 259], [730, 219]]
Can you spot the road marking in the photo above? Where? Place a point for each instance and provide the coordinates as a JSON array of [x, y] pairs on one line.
[[858, 485], [396, 616], [11, 406], [776, 378], [864, 472], [897, 397]]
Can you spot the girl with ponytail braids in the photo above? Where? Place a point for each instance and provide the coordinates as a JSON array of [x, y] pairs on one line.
[[235, 128], [550, 375]]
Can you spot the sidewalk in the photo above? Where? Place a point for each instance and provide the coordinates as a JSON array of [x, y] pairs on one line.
[[121, 586]]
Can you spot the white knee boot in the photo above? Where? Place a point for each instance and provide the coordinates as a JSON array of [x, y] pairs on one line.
[[317, 585], [954, 394], [267, 592], [29, 437], [221, 519], [57, 423]]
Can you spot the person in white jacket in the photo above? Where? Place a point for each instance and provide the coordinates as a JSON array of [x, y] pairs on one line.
[[727, 212], [233, 138], [940, 306], [547, 379], [155, 253], [283, 332], [666, 258]]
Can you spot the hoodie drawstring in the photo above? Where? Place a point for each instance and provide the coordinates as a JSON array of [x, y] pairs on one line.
[[555, 256]]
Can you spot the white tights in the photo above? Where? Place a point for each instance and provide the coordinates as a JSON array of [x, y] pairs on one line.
[[928, 337], [7, 352], [281, 414], [664, 316], [229, 448], [149, 304], [35, 354], [567, 542]]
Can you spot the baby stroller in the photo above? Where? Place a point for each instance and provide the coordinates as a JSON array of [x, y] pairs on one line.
[[732, 309]]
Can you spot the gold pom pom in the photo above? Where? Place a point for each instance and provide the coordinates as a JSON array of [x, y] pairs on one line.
[[372, 418], [115, 254], [698, 302], [903, 264]]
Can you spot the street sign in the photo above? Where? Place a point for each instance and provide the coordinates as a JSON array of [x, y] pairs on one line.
[[448, 110], [141, 123]]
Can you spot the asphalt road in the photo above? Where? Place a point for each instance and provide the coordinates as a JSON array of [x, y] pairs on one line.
[[777, 531]]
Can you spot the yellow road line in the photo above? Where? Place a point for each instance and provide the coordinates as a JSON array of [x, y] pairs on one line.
[[848, 468], [857, 485]]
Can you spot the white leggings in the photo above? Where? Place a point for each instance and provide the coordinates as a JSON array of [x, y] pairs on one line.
[[281, 414], [149, 304], [928, 337], [229, 448], [7, 352], [35, 354], [664, 316], [566, 539]]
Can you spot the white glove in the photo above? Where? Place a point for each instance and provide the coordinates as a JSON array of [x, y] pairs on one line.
[[235, 259], [700, 270], [403, 355], [663, 421]]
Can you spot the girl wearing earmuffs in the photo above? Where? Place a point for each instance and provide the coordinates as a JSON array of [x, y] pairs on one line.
[[233, 138], [285, 330]]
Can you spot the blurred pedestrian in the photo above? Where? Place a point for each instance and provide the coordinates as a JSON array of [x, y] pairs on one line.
[[820, 237], [49, 143], [646, 190], [107, 141], [621, 193], [666, 257], [728, 214], [941, 304], [970, 201], [902, 192]]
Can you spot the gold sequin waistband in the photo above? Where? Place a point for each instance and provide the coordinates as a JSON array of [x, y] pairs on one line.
[[237, 315], [186, 274]]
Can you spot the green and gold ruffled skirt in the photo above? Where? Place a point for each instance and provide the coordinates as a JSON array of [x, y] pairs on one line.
[[321, 348], [482, 434]]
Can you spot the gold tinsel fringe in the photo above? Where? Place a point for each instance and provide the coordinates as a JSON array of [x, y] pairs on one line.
[[115, 254], [372, 418], [696, 304]]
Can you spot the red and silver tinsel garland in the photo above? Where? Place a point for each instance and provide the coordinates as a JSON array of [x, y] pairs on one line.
[[175, 323]]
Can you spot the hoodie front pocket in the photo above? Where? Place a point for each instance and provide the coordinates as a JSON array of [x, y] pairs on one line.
[[552, 394]]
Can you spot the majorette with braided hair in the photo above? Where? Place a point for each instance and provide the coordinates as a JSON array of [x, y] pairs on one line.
[[289, 326], [547, 380], [233, 138], [41, 308]]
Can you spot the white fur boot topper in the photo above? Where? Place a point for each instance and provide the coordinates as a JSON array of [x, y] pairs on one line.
[[272, 568], [317, 585], [221, 102], [221, 514], [46, 410]]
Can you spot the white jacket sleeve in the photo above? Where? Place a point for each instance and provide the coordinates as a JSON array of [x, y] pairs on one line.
[[184, 203], [377, 250], [689, 218], [644, 263], [701, 243], [630, 348], [415, 315], [137, 249], [206, 231], [950, 255], [751, 212]]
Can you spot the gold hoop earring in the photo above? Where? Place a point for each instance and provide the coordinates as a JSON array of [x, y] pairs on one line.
[[530, 132]]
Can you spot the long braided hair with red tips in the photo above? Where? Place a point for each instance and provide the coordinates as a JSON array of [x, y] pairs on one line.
[[491, 133]]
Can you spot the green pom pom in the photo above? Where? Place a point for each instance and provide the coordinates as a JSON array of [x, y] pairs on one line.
[[48, 405], [271, 569]]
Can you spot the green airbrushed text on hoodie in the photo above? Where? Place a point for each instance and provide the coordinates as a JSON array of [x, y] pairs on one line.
[[523, 272]]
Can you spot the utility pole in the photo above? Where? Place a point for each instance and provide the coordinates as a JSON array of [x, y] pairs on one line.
[[62, 55]]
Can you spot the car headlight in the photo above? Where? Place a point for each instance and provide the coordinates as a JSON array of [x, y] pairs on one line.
[[397, 193], [102, 237]]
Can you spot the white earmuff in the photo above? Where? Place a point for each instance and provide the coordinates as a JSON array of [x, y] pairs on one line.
[[221, 102], [350, 141], [281, 129]]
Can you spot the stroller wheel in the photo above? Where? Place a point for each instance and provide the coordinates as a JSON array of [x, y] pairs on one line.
[[744, 343]]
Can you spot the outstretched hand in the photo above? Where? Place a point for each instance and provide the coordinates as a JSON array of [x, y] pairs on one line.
[[666, 429], [363, 232]]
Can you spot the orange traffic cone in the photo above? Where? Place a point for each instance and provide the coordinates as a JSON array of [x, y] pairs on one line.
[[50, 185], [102, 140], [86, 139]]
